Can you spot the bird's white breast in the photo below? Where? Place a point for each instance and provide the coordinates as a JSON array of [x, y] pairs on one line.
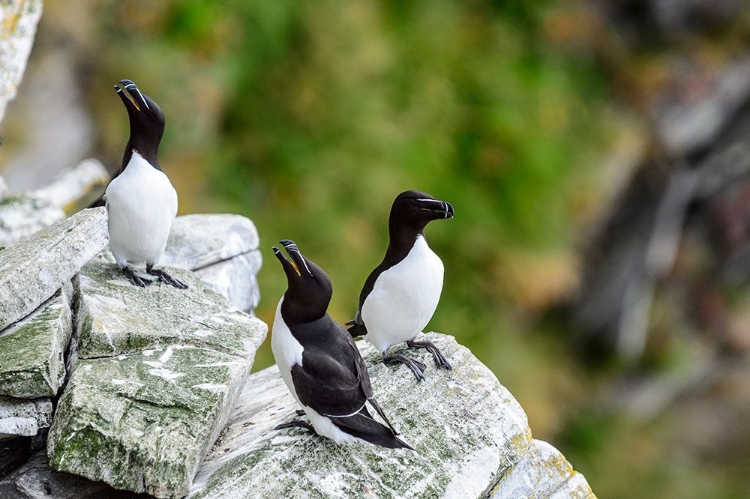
[[141, 204], [286, 349], [404, 297]]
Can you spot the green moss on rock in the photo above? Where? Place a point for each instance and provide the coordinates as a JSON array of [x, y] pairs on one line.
[[143, 422], [31, 351]]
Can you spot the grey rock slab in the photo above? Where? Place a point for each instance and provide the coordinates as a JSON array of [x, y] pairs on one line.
[[22, 215], [25, 418], [235, 279], [17, 30], [199, 240], [466, 428], [35, 479], [32, 350], [143, 422], [117, 317], [543, 472], [33, 269], [223, 250]]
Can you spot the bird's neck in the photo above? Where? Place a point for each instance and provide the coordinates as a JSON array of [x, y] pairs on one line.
[[402, 239], [147, 150]]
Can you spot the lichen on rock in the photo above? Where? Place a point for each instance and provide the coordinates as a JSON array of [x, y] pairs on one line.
[[143, 421], [466, 428], [116, 317], [32, 351]]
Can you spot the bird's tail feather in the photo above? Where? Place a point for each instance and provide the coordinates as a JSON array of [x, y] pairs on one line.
[[364, 427]]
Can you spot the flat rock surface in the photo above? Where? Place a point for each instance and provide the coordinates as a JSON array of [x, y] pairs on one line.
[[32, 351], [117, 317], [466, 428], [144, 421], [33, 269], [199, 240], [223, 250], [25, 418]]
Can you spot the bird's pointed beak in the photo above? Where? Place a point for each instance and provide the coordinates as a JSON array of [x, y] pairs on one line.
[[297, 259], [131, 95], [442, 208]]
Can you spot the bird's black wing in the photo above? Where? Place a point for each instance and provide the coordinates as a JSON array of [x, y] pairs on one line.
[[328, 382]]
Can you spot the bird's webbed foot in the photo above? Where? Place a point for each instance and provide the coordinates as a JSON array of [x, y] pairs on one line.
[[296, 423], [416, 367], [440, 359], [135, 278], [164, 277]]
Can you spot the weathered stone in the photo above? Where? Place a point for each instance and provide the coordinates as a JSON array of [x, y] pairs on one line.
[[3, 188], [32, 351], [22, 215], [18, 20], [33, 269], [75, 187], [117, 317], [222, 250], [466, 428], [24, 418], [543, 472], [36, 480], [144, 421]]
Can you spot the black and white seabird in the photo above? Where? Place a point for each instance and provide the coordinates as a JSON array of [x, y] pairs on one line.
[[401, 294], [141, 202], [319, 361]]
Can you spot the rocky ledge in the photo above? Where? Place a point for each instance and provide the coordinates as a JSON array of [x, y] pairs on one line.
[[471, 439], [104, 384]]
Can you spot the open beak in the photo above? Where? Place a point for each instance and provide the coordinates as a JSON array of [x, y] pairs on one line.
[[297, 261], [131, 95], [443, 208]]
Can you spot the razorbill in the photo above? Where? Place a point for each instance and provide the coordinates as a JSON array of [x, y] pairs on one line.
[[319, 361], [401, 294], [141, 202]]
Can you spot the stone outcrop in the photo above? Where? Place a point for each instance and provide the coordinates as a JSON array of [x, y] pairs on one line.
[[23, 417], [17, 30], [33, 269], [223, 250], [158, 372], [471, 438], [32, 350]]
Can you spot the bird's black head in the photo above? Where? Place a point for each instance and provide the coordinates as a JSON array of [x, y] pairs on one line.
[[146, 121], [309, 289], [413, 210]]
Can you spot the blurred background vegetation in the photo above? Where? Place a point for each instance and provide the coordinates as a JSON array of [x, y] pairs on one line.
[[532, 118]]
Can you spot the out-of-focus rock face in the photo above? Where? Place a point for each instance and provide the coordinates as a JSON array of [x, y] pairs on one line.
[[18, 20], [467, 430], [223, 250]]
